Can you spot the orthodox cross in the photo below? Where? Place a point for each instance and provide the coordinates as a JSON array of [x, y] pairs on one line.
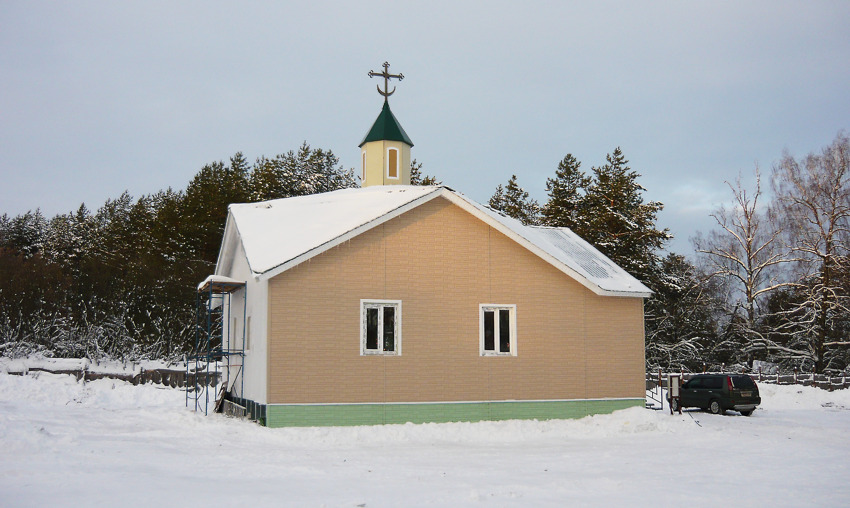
[[386, 75]]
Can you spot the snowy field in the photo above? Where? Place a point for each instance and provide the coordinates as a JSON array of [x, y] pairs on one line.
[[108, 443]]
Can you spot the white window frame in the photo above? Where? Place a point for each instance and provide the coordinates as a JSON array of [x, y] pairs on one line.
[[397, 163], [372, 303], [496, 342]]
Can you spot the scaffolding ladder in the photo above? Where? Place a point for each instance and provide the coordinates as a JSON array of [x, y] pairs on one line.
[[219, 351]]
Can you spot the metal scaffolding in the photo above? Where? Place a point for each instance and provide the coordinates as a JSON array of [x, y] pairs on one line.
[[219, 352]]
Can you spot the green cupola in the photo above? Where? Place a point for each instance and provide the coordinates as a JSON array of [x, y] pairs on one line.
[[386, 128], [385, 151]]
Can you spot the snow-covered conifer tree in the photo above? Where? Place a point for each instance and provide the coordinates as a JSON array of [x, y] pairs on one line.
[[514, 201], [566, 197]]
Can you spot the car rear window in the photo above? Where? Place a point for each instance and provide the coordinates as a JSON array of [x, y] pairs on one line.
[[745, 382]]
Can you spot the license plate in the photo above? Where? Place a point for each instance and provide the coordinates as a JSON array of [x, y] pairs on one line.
[[746, 394]]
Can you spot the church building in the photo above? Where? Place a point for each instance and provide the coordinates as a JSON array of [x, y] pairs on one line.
[[393, 303]]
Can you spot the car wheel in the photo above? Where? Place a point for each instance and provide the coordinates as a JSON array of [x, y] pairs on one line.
[[747, 412], [674, 405], [715, 407]]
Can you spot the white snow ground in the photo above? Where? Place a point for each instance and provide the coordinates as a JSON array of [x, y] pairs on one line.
[[108, 443]]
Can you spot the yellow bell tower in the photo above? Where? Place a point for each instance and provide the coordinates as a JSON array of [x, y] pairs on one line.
[[385, 151]]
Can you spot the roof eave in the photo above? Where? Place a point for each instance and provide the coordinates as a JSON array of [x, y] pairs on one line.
[[222, 249]]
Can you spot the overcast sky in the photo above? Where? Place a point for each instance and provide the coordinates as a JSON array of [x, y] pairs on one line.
[[101, 97]]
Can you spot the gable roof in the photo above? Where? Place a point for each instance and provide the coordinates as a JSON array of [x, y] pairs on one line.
[[279, 234], [386, 128]]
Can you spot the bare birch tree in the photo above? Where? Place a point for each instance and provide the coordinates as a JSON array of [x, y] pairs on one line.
[[814, 196], [745, 252]]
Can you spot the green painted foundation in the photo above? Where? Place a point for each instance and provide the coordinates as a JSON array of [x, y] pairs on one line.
[[318, 415]]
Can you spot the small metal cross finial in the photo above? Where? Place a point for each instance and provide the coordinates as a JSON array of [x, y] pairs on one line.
[[386, 75]]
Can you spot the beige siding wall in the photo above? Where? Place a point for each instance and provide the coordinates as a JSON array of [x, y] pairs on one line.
[[441, 262]]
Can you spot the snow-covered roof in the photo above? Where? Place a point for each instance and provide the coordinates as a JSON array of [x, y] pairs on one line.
[[570, 250], [279, 234], [280, 231], [220, 283]]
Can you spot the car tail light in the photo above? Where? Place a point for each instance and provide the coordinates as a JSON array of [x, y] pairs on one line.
[[729, 382]]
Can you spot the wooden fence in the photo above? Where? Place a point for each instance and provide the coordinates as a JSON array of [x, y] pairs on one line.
[[175, 378], [822, 381]]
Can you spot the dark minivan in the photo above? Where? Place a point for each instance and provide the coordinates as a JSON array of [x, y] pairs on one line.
[[719, 392]]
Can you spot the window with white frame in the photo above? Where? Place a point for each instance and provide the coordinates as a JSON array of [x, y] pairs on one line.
[[380, 327], [497, 329]]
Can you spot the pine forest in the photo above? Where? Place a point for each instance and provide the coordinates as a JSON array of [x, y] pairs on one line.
[[769, 283]]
